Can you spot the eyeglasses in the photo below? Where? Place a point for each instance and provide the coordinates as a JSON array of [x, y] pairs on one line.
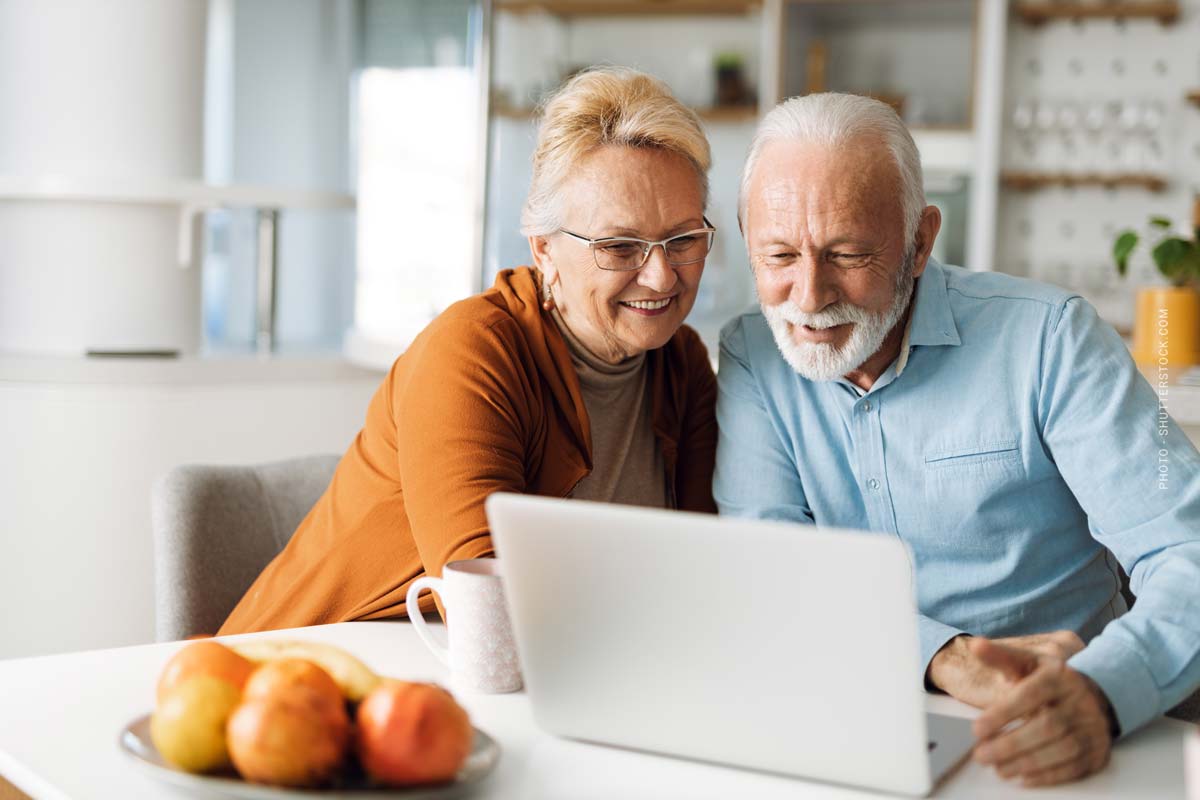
[[625, 253]]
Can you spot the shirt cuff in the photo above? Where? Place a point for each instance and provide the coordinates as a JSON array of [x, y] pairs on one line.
[[933, 636], [1124, 678]]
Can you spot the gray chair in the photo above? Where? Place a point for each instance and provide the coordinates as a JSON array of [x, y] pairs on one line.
[[215, 528]]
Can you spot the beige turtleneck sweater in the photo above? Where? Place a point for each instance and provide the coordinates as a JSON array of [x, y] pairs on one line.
[[627, 467]]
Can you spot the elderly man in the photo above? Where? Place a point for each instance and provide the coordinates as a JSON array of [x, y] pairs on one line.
[[996, 425]]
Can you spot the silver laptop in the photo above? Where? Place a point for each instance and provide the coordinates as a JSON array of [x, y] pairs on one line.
[[766, 645]]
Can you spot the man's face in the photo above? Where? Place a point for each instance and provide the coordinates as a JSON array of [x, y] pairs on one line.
[[825, 232]]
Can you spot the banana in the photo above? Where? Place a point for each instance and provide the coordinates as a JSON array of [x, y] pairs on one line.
[[355, 678]]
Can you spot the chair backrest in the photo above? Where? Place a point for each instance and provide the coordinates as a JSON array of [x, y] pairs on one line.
[[217, 527]]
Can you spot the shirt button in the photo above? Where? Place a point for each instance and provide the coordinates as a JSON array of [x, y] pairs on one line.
[[874, 484], [866, 405]]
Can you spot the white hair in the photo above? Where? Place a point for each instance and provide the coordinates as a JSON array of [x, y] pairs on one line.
[[833, 120]]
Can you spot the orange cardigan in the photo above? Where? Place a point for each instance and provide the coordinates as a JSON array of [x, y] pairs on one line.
[[484, 400]]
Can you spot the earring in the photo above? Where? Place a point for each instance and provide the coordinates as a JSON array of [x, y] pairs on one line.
[[547, 298]]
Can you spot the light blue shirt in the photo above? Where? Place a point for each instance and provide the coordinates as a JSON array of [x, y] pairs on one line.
[[1017, 452]]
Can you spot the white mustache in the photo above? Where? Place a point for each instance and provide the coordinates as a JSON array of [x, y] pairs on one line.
[[838, 314]]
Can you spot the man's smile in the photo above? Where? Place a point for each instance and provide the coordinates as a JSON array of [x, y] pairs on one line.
[[806, 334]]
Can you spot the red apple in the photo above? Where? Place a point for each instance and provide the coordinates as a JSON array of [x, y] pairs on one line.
[[412, 733]]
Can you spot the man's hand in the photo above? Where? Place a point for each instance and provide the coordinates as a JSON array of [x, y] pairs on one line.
[[1051, 726], [958, 672]]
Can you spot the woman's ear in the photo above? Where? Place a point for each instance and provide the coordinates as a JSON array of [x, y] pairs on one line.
[[539, 248]]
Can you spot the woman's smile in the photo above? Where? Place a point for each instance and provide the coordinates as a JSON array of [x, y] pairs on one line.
[[647, 308]]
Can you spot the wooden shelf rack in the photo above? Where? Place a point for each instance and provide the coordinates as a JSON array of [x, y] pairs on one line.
[[1035, 13], [627, 8], [1030, 181], [746, 113]]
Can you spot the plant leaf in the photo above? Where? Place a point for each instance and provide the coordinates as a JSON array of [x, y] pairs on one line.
[[1171, 255], [1122, 247], [1160, 222], [1191, 261]]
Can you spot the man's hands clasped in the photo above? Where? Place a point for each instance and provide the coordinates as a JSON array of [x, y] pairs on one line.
[[1043, 723]]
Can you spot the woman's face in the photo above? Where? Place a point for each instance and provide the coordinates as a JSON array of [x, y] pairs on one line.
[[645, 193]]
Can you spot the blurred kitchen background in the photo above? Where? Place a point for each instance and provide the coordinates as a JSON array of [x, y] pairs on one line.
[[221, 221]]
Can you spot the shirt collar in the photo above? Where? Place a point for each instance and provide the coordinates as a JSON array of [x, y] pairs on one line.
[[932, 321], [905, 343], [894, 369]]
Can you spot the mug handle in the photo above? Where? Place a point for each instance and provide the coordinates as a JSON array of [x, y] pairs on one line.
[[418, 619]]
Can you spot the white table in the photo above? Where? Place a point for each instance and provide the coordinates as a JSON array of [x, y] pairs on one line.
[[60, 715]]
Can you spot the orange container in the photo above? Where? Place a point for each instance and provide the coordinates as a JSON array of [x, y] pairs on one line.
[[1166, 330]]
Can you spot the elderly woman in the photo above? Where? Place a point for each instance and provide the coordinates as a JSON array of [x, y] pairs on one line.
[[574, 379]]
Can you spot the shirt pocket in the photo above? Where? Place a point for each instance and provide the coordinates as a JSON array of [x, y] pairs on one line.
[[975, 496], [980, 456]]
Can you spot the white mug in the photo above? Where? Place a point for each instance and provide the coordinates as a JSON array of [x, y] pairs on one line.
[[481, 654]]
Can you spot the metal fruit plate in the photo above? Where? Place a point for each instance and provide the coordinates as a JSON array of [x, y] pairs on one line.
[[135, 743]]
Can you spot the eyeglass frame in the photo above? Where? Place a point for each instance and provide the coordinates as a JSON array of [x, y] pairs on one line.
[[648, 246]]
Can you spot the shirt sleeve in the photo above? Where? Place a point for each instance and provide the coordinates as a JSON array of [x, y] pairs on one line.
[[932, 637], [462, 427], [756, 475], [1137, 476]]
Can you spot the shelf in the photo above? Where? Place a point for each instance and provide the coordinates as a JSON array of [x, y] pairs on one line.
[[628, 8], [711, 114], [728, 113], [189, 198], [513, 112], [1035, 13], [166, 193], [1193, 97], [1029, 181], [321, 369]]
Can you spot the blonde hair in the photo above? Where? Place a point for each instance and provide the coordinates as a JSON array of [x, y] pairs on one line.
[[606, 106]]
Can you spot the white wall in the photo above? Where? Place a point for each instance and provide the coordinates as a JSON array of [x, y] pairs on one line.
[[106, 96], [1065, 236], [83, 443]]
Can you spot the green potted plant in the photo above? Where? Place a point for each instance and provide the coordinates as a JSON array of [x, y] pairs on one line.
[[1166, 328], [731, 81]]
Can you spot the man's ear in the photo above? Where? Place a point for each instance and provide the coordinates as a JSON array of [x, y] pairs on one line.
[[539, 248], [927, 231]]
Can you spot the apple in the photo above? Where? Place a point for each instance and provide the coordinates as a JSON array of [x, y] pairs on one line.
[[287, 739], [412, 733], [188, 726], [283, 677], [205, 657]]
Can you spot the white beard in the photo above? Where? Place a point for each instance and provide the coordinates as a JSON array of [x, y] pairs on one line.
[[820, 361]]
